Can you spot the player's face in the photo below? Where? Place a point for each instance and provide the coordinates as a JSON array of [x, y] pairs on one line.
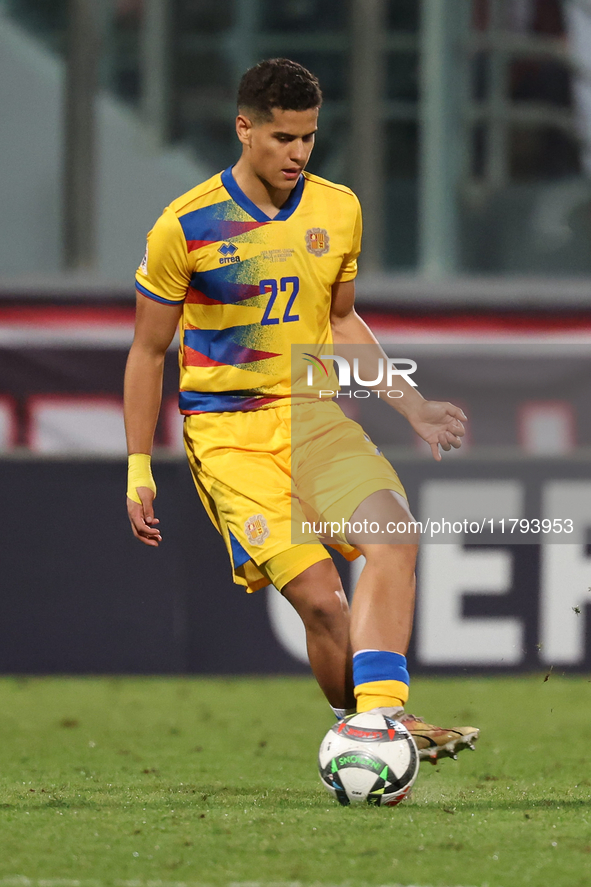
[[279, 149]]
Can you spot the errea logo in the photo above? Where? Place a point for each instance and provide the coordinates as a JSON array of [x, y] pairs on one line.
[[228, 251]]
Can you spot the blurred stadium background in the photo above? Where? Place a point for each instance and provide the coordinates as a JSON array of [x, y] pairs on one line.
[[465, 128]]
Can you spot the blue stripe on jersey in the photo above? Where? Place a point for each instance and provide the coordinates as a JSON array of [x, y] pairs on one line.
[[239, 555], [379, 665], [145, 292], [221, 402], [227, 346], [288, 208], [221, 221], [228, 284]]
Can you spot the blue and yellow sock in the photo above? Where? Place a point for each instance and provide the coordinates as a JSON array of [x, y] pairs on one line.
[[381, 679]]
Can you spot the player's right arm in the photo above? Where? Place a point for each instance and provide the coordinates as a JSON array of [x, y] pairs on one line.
[[155, 327], [161, 283]]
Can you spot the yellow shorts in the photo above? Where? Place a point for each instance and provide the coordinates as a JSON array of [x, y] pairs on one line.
[[261, 474]]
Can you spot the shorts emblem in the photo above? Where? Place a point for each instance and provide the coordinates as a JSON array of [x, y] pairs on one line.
[[317, 241], [256, 529]]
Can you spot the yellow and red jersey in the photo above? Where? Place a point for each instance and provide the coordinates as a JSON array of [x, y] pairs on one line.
[[251, 286]]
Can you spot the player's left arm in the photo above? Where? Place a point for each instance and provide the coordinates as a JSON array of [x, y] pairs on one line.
[[440, 424]]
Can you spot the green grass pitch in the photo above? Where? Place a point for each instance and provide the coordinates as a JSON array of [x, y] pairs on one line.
[[149, 782]]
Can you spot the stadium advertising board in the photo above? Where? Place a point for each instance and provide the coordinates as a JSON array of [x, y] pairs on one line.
[[74, 603], [504, 570]]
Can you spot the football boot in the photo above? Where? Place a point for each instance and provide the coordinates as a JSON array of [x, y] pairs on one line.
[[434, 742]]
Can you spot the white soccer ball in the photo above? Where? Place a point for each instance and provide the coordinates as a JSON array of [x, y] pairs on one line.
[[368, 758]]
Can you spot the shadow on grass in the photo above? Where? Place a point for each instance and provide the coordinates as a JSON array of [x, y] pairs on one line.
[[508, 804], [187, 796], [211, 796]]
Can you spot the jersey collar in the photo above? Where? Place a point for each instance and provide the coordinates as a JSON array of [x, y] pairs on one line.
[[239, 197]]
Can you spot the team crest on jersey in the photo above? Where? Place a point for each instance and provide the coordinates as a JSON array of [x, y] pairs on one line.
[[317, 241], [256, 529]]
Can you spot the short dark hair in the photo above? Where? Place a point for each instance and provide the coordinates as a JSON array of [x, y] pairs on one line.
[[278, 83]]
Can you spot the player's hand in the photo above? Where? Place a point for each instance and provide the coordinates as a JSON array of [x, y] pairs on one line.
[[142, 520], [440, 424]]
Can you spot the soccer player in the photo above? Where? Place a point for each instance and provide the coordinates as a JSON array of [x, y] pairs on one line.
[[258, 258]]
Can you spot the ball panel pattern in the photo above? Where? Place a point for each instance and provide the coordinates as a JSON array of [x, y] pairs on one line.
[[368, 758]]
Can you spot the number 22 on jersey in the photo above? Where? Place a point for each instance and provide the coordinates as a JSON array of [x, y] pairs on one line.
[[273, 287]]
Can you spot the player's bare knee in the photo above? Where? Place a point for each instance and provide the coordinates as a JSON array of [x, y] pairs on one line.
[[320, 607], [327, 611], [391, 557]]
